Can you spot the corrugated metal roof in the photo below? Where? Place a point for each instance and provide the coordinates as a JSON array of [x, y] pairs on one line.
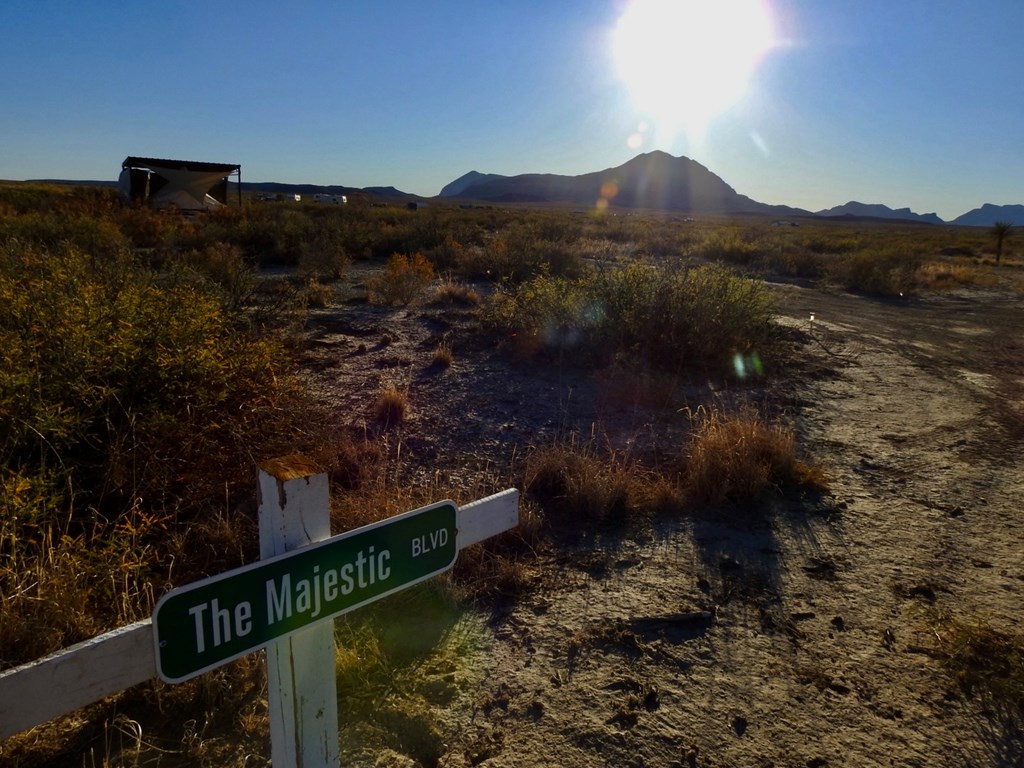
[[154, 164]]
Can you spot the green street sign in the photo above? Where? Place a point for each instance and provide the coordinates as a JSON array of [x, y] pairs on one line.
[[208, 623]]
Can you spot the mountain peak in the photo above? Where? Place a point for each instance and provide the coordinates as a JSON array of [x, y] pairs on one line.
[[654, 180], [661, 153], [464, 182]]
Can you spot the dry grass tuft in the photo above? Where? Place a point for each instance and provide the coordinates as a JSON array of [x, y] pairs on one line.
[[453, 291], [576, 486], [392, 405], [357, 464], [443, 357], [983, 660], [950, 275], [741, 456]]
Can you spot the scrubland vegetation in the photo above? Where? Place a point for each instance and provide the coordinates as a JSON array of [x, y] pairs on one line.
[[148, 364]]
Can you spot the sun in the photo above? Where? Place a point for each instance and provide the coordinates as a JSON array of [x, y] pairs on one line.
[[685, 61]]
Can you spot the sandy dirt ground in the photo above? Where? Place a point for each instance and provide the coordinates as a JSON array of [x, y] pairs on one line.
[[795, 637]]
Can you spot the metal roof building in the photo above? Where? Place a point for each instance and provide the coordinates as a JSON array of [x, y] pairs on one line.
[[187, 185]]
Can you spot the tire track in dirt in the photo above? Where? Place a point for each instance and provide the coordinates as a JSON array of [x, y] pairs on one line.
[[912, 436]]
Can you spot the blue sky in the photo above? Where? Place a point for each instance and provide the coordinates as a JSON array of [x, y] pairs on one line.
[[903, 102]]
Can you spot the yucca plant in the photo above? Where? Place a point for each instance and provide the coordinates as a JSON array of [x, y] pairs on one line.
[[1001, 231]]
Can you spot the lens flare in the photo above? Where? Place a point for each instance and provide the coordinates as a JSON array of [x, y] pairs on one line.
[[747, 366], [685, 61]]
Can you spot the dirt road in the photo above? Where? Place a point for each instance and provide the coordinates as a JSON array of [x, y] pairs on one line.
[[803, 641], [796, 638]]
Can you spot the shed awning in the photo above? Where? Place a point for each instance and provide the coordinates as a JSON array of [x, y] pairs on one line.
[[157, 164]]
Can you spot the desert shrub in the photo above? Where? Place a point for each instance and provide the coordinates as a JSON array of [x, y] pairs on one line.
[[276, 237], [324, 257], [317, 295], [28, 198], [116, 375], [542, 314], [144, 227], [577, 483], [554, 227], [819, 243], [730, 247], [223, 270], [84, 201], [519, 252], [796, 261], [885, 272], [618, 229], [404, 279], [948, 275], [354, 232], [402, 663], [130, 403], [424, 230], [669, 317], [267, 235], [662, 240], [356, 463], [674, 317], [52, 229], [557, 257], [498, 260], [449, 255], [443, 356]]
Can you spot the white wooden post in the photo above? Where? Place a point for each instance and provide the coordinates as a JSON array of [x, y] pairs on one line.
[[294, 511]]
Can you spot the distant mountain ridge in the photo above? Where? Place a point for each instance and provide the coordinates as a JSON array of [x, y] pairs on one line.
[[653, 180], [989, 214], [879, 211], [321, 189]]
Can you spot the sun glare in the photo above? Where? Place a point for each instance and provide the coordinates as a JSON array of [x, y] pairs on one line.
[[685, 61]]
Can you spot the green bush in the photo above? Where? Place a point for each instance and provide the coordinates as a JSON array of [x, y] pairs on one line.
[[403, 281], [324, 256], [222, 270], [689, 315], [56, 228], [115, 385], [669, 317], [796, 261], [730, 247], [543, 313]]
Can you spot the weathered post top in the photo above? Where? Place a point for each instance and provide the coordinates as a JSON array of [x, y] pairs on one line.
[[290, 467]]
